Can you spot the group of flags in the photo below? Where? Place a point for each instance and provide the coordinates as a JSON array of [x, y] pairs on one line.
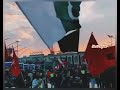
[[56, 27], [61, 63], [15, 68], [8, 52], [98, 60]]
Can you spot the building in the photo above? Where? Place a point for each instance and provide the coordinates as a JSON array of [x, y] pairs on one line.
[[32, 58], [74, 58]]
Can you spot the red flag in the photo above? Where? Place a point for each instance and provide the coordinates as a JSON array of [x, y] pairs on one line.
[[95, 60], [89, 53], [15, 68], [92, 41], [99, 59]]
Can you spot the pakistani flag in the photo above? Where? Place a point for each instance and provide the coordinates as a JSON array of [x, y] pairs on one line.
[[68, 13], [51, 20]]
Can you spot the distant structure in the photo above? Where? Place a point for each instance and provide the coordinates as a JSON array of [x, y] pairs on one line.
[[74, 58]]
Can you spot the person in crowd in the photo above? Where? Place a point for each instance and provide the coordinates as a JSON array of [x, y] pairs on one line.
[[52, 79], [58, 79], [27, 80], [109, 78], [48, 77], [70, 84], [19, 81], [72, 72], [37, 82], [93, 82], [30, 74], [64, 79], [9, 81], [77, 79], [43, 79], [85, 79], [98, 81], [48, 74], [55, 78]]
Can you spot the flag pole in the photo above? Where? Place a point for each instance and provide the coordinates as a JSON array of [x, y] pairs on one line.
[[111, 41], [23, 78], [110, 36]]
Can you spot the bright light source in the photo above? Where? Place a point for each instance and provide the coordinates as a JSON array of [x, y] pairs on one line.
[[18, 40]]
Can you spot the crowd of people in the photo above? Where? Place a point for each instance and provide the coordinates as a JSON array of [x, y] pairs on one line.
[[65, 77]]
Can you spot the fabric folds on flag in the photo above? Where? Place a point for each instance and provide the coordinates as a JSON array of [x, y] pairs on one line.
[[51, 20], [15, 68], [89, 54], [70, 42], [99, 60], [42, 17]]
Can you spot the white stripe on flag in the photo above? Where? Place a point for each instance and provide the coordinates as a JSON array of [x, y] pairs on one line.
[[42, 17]]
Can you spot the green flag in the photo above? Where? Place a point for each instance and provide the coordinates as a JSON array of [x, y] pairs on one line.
[[68, 13]]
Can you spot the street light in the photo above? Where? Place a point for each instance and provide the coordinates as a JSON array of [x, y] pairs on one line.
[[110, 36], [17, 45], [12, 42]]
